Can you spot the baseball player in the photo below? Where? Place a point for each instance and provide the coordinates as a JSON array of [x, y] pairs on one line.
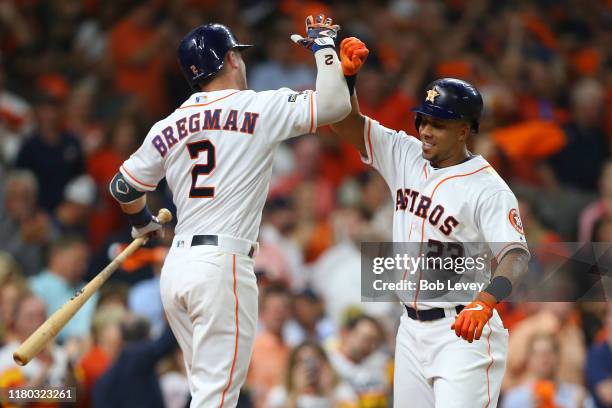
[[216, 152], [448, 354]]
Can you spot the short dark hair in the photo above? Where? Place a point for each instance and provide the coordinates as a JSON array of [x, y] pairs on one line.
[[309, 294], [67, 241], [275, 289], [135, 328], [353, 322], [278, 203]]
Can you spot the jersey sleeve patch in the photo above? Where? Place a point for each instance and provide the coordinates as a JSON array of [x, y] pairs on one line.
[[294, 96], [515, 221]]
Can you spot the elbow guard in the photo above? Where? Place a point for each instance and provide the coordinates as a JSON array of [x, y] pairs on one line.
[[123, 191]]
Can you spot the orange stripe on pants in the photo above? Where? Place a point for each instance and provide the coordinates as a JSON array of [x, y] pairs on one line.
[[236, 338]]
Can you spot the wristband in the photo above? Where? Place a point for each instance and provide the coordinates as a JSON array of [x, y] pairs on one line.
[[500, 287], [350, 82], [141, 218], [322, 42]]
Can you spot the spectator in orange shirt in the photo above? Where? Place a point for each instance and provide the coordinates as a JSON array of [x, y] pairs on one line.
[[270, 353], [102, 166], [378, 98], [137, 52], [541, 89], [106, 336]]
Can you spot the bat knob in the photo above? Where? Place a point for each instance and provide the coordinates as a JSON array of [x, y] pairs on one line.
[[164, 216], [19, 359]]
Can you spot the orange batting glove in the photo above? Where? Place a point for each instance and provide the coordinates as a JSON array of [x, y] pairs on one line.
[[353, 53], [473, 317]]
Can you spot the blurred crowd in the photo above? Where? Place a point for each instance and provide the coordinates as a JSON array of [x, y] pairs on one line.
[[81, 81]]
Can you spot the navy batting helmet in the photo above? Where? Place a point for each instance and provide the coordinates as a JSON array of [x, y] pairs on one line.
[[450, 98], [202, 52]]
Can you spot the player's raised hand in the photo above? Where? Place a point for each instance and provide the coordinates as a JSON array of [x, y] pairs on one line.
[[473, 317], [353, 53], [320, 33]]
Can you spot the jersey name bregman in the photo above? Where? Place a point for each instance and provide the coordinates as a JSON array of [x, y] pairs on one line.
[[420, 205], [205, 120]]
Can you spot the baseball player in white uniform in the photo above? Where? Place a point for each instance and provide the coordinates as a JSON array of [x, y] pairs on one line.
[[449, 353], [216, 152]]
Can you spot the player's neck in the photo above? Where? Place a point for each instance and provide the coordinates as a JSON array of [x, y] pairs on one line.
[[220, 84], [452, 160]]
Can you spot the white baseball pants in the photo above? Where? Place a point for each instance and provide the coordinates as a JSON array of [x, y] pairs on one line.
[[435, 368], [210, 295]]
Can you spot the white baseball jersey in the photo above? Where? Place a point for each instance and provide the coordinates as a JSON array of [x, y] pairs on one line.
[[216, 152], [464, 203], [441, 208]]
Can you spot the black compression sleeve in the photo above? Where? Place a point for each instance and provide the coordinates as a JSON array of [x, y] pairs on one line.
[[500, 287], [350, 82]]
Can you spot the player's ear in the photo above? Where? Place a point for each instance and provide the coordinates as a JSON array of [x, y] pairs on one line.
[[465, 131], [233, 59]]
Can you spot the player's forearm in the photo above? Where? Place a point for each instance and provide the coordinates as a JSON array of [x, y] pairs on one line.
[[135, 206], [511, 271], [333, 100], [137, 212], [350, 129]]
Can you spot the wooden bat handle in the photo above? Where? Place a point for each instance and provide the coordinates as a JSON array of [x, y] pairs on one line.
[[49, 329], [164, 216]]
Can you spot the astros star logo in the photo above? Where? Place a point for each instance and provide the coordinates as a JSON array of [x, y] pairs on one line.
[[431, 94]]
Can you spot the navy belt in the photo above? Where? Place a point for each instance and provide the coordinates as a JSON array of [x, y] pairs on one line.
[[429, 314], [214, 241]]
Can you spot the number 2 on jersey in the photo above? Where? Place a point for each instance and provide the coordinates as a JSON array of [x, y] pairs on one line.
[[195, 149]]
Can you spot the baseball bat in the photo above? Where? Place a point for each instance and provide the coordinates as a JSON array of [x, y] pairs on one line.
[[49, 329]]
